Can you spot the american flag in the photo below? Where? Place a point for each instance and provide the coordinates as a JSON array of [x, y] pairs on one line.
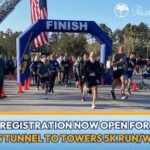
[[39, 11]]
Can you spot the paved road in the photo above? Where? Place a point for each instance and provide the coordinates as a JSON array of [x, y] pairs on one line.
[[68, 99]]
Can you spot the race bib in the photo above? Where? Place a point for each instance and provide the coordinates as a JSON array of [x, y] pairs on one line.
[[120, 67], [132, 63], [92, 74], [66, 65], [130, 69], [46, 74], [114, 68]]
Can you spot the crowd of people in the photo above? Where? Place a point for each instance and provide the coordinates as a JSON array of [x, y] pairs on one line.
[[86, 70], [7, 68]]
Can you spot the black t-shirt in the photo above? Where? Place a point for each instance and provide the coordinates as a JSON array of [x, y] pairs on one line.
[[92, 70], [10, 63], [81, 67], [131, 63], [65, 65], [34, 65], [43, 69], [119, 57], [52, 66]]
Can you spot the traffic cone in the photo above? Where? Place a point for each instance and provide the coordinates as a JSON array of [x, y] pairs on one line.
[[25, 85], [20, 88], [134, 88], [3, 92]]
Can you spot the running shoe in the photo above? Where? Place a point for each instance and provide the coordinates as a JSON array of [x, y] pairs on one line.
[[83, 99], [49, 90], [93, 106], [45, 97], [113, 95], [52, 90], [124, 97], [37, 89]]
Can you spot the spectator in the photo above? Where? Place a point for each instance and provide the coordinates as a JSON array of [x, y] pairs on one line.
[[2, 64], [11, 67]]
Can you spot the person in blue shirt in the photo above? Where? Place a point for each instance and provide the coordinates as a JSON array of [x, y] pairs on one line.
[[130, 65]]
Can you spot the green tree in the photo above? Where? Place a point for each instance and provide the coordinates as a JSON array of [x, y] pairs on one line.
[[8, 42], [133, 38], [69, 43], [106, 29]]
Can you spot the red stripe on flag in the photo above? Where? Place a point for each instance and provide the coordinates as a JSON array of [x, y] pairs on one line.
[[36, 14]]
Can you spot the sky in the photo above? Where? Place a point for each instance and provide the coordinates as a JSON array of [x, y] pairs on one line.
[[100, 11]]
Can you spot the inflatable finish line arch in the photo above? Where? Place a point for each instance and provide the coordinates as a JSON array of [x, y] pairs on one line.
[[24, 40]]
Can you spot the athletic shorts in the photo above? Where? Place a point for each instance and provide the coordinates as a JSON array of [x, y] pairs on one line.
[[129, 74], [92, 83], [118, 73], [44, 79]]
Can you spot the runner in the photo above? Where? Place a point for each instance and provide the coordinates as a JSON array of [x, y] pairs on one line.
[[75, 71], [33, 68], [43, 73], [81, 68], [65, 67], [131, 63], [59, 75], [119, 63], [92, 75], [53, 70]]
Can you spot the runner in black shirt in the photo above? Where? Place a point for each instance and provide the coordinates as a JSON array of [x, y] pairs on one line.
[[119, 63], [43, 72], [33, 68], [53, 70], [92, 75], [65, 67], [81, 74]]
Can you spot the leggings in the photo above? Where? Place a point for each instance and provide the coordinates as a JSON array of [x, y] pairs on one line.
[[52, 80], [65, 77]]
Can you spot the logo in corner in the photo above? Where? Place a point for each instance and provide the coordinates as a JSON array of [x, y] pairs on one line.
[[1, 1], [121, 10]]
